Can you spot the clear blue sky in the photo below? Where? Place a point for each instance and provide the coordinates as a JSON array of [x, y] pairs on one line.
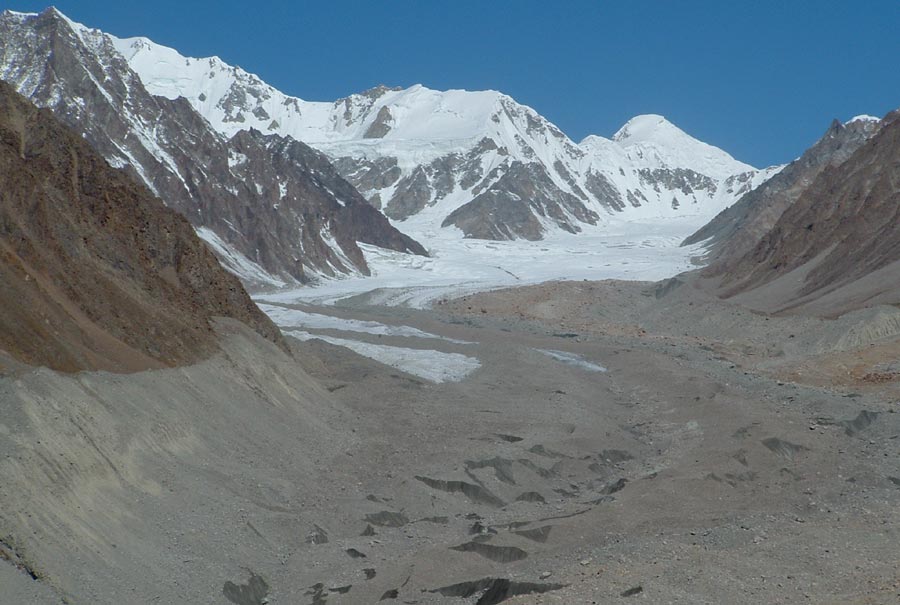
[[762, 79]]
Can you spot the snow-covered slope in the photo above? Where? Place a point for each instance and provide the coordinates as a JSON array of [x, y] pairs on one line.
[[478, 161]]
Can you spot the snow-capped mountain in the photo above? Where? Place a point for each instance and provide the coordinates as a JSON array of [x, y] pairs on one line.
[[478, 161], [275, 210]]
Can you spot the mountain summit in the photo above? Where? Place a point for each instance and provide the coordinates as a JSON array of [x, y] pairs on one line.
[[650, 128]]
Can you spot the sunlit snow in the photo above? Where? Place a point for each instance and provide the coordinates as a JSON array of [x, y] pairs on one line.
[[630, 251]]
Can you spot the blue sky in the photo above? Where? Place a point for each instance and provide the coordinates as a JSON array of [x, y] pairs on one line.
[[759, 78]]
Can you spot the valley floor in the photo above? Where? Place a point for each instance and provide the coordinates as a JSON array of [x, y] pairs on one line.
[[606, 442]]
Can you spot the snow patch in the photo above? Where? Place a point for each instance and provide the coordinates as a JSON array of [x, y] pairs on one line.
[[236, 158], [237, 263], [288, 318], [434, 366], [571, 359]]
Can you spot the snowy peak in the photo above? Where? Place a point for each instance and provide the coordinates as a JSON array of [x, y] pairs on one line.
[[674, 147], [208, 83], [163, 70], [648, 127], [417, 113], [233, 99]]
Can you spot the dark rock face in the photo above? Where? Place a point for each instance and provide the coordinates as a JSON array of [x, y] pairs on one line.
[[516, 204], [96, 272], [843, 227], [381, 126], [682, 179], [413, 194], [291, 218], [737, 229], [368, 175], [605, 192], [294, 172]]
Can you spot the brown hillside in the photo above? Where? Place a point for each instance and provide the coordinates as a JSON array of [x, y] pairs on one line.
[[96, 272], [843, 230]]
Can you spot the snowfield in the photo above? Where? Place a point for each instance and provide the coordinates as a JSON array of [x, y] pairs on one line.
[[289, 318]]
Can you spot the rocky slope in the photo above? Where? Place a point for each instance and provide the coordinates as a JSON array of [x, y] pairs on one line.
[[96, 272], [270, 220], [477, 161], [738, 228], [838, 246]]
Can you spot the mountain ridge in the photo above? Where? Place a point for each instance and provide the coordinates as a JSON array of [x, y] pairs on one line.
[[826, 249], [737, 229]]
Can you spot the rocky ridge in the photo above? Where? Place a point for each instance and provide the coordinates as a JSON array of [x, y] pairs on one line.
[[285, 223], [838, 246], [738, 228]]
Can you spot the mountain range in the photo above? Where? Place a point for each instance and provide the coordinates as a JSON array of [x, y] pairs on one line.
[[478, 161], [210, 139]]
